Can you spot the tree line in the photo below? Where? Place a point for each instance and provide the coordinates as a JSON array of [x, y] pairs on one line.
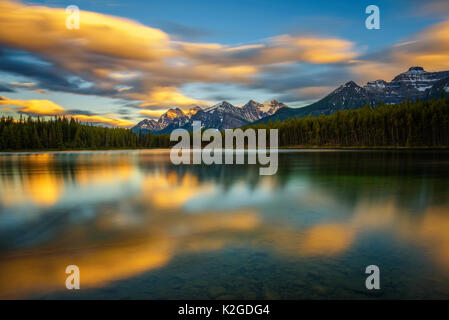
[[408, 124], [61, 133]]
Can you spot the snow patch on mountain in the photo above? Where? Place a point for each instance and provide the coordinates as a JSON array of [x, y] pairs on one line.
[[222, 115]]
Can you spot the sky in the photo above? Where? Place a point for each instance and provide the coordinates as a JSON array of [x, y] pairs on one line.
[[131, 60]]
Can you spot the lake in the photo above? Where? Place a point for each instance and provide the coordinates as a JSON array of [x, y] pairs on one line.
[[139, 227]]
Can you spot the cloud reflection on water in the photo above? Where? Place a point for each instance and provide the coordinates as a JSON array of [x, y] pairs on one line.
[[143, 212]]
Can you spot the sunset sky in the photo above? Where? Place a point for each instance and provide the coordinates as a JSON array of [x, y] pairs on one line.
[[131, 60]]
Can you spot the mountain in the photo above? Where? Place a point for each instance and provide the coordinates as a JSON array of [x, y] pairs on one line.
[[148, 125], [272, 106], [414, 84], [347, 96], [440, 87], [254, 111], [173, 118], [220, 116]]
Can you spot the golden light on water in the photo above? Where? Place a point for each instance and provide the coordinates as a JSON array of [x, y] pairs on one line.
[[129, 219], [149, 246], [326, 240]]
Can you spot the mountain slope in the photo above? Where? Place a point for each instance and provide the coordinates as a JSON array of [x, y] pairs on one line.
[[414, 84], [220, 116], [440, 88]]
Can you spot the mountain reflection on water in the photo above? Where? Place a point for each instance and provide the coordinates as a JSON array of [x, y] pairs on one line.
[[139, 227]]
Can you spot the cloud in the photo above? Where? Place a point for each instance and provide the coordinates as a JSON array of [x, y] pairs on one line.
[[184, 32], [49, 108], [153, 114], [35, 107], [428, 48], [41, 91], [318, 50], [280, 49], [102, 119], [432, 7], [101, 48], [118, 57], [79, 111], [5, 88], [151, 68], [42, 29], [23, 84], [307, 93], [46, 75], [27, 85], [298, 85], [165, 96]]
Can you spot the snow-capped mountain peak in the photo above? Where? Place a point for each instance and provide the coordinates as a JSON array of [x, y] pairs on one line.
[[413, 84], [192, 111], [221, 106], [415, 70], [148, 124], [222, 115], [417, 78], [272, 106], [254, 110], [173, 113], [376, 85]]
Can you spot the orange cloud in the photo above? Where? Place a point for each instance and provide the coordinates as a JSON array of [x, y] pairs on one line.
[[152, 113], [428, 48], [279, 49], [42, 29], [237, 71], [369, 70], [165, 96], [102, 119], [112, 52], [315, 50], [23, 84], [49, 108], [39, 107]]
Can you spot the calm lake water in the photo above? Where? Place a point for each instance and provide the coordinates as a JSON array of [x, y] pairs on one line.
[[139, 227]]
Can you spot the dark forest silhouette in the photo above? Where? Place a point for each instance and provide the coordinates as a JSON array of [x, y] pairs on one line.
[[408, 124]]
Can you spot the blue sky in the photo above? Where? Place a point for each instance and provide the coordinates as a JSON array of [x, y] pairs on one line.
[[233, 22], [184, 53]]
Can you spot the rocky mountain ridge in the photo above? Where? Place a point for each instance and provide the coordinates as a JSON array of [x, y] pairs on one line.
[[416, 83]]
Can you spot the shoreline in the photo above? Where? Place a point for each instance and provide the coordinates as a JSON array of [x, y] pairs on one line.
[[298, 147]]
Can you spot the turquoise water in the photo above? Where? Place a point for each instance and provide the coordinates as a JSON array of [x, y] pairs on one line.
[[139, 227]]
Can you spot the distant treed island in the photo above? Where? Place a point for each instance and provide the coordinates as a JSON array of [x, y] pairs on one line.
[[407, 124]]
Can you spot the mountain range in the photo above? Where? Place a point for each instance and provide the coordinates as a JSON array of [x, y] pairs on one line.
[[414, 84], [220, 116]]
